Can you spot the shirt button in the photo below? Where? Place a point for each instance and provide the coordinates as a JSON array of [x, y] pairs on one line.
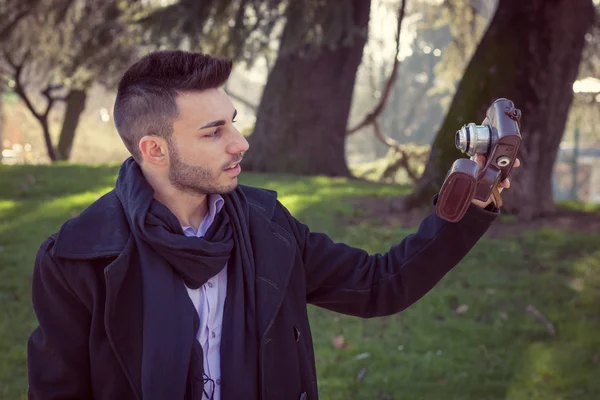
[[214, 335], [210, 284]]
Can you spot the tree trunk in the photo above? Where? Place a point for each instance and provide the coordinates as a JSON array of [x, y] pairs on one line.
[[530, 54], [302, 117], [1, 122], [75, 104], [48, 141]]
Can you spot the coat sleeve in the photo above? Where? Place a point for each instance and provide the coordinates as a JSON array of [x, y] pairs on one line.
[[57, 350], [351, 281]]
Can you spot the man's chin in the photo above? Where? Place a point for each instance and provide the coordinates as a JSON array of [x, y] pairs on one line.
[[229, 188]]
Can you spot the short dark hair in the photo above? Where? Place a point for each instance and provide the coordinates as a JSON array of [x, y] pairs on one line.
[[147, 92]]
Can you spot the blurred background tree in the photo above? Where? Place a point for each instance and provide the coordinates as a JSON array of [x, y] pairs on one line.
[[56, 52], [531, 54], [304, 107], [12, 12], [307, 72]]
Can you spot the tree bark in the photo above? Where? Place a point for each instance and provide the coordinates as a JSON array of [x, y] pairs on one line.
[[530, 54], [302, 117], [1, 122], [75, 104]]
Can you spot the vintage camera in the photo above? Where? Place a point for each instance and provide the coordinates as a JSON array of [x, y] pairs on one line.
[[499, 139]]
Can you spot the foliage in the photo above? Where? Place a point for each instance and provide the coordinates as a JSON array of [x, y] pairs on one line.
[[238, 29], [469, 338], [69, 43], [12, 12], [245, 30], [57, 51]]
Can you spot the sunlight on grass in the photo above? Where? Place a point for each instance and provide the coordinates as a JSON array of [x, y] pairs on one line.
[[493, 350], [6, 206], [61, 206]]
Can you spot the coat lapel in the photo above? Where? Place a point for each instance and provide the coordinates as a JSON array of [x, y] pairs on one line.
[[274, 254], [123, 314], [151, 334]]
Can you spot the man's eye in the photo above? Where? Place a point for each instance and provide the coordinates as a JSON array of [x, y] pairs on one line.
[[216, 133]]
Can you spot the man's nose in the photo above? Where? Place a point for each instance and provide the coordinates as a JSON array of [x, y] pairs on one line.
[[239, 144]]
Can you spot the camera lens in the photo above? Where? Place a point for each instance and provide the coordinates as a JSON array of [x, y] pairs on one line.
[[462, 139], [473, 139]]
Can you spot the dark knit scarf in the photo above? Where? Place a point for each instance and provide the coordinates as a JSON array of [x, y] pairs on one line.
[[162, 247]]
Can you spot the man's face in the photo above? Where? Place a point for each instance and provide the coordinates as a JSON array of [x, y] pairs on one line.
[[205, 145]]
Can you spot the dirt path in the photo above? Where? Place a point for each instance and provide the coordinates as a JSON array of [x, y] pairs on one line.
[[383, 212]]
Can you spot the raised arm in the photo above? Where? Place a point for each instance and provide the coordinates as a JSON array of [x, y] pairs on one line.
[[349, 280]]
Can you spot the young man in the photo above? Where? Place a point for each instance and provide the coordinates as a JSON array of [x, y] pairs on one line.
[[182, 284]]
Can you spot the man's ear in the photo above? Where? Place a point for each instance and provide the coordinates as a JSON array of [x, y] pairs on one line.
[[154, 150]]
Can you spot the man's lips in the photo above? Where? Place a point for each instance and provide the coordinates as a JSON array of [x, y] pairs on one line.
[[232, 166]]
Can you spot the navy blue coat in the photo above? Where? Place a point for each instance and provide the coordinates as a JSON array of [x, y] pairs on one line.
[[88, 301]]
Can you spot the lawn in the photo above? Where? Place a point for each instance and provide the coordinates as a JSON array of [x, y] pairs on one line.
[[472, 337]]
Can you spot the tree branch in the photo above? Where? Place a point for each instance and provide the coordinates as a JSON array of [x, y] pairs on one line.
[[370, 117], [7, 29], [404, 157], [19, 88], [20, 91], [245, 102]]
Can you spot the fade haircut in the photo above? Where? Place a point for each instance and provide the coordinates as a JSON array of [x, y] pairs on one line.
[[147, 92]]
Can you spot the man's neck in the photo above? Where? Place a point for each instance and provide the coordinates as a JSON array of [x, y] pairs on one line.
[[189, 208]]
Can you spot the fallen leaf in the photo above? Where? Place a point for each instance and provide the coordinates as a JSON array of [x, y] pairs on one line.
[[461, 309], [595, 358], [31, 179], [338, 342], [361, 374], [577, 284]]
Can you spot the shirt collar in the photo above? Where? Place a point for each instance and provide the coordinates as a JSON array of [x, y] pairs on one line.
[[215, 205]]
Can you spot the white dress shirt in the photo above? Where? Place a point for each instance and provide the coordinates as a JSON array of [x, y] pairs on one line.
[[209, 300]]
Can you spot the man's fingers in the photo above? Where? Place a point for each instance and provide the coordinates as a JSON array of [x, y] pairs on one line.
[[517, 163], [479, 159]]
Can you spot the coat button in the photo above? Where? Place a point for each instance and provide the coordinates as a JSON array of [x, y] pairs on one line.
[[303, 396]]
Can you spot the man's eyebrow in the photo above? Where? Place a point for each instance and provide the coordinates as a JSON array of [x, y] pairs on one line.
[[219, 122]]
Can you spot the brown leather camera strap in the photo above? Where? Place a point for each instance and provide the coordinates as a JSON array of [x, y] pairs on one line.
[[496, 198]]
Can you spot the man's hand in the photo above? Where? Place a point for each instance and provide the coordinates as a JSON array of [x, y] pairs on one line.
[[505, 184]]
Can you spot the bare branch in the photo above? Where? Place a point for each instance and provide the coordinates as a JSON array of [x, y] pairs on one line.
[[397, 147], [19, 88], [370, 118], [50, 100], [245, 102]]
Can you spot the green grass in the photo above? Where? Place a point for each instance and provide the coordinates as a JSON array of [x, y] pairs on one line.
[[494, 350]]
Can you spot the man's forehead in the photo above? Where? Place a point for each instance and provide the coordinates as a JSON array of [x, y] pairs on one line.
[[210, 103]]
